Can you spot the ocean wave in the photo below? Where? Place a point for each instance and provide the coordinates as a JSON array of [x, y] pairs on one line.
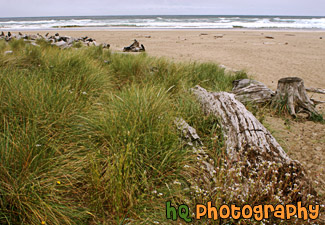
[[224, 22]]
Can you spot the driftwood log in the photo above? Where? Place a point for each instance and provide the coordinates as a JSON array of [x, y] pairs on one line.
[[240, 126], [249, 144], [316, 90], [204, 162], [134, 47], [57, 40], [247, 90]]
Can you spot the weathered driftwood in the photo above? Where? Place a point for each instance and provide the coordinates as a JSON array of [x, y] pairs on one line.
[[204, 161], [291, 91], [57, 40], [134, 47], [316, 90], [316, 102], [218, 36], [228, 69], [251, 148], [247, 90], [241, 128]]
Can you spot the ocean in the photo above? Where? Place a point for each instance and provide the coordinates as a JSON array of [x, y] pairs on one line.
[[164, 22]]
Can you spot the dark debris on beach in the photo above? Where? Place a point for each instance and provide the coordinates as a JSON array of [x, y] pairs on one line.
[[57, 39]]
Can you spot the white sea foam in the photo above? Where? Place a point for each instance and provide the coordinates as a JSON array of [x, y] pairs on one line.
[[166, 22]]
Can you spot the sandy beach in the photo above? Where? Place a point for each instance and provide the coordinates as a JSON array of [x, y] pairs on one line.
[[290, 53], [134, 112], [265, 55]]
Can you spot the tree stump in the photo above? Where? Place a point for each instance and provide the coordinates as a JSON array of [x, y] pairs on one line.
[[247, 90], [291, 91]]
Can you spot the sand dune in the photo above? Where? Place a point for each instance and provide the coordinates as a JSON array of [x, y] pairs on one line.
[[282, 54], [290, 53]]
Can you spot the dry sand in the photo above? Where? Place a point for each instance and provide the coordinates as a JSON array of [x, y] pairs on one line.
[[299, 53], [290, 53]]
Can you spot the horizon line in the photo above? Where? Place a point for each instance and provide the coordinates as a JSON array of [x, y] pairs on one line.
[[125, 15]]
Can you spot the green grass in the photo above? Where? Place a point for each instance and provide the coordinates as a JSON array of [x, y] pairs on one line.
[[83, 141], [281, 108]]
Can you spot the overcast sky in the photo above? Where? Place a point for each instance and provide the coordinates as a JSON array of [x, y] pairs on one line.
[[21, 8]]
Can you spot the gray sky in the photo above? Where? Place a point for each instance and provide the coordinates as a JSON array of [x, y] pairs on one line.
[[20, 8]]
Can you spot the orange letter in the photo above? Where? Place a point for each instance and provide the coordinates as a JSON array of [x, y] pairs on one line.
[[224, 216], [266, 210], [279, 212], [243, 212], [215, 212], [313, 211], [258, 210], [300, 210], [199, 214], [289, 214], [233, 212]]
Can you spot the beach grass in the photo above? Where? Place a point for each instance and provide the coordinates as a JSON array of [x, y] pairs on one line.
[[87, 136]]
